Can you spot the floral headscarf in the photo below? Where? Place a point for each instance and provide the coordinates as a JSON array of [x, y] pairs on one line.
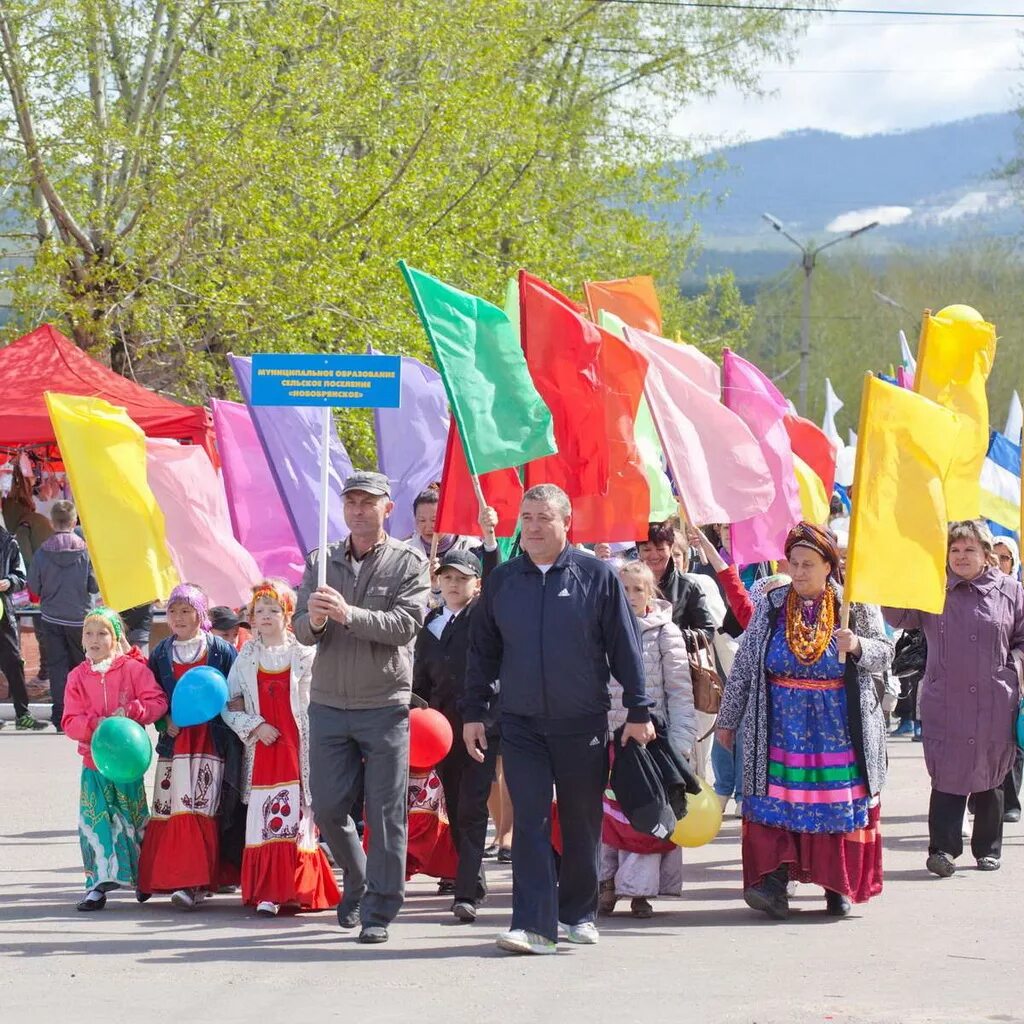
[[190, 594]]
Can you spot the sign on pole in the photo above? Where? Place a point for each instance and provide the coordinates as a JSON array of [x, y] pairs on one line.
[[352, 382], [326, 381]]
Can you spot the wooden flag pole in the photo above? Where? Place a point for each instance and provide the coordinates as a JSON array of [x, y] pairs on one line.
[[844, 610]]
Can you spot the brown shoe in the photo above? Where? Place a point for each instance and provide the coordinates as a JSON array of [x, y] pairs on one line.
[[641, 907], [606, 898]]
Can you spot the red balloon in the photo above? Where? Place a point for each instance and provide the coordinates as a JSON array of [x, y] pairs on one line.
[[430, 738]]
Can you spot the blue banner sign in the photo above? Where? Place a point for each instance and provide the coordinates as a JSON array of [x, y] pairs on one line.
[[341, 381]]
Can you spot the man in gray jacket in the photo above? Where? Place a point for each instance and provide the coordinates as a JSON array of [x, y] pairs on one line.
[[61, 575], [364, 622]]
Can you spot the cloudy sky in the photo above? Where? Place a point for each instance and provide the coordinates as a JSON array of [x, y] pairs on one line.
[[859, 74]]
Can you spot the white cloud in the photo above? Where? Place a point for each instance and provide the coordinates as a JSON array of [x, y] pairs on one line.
[[973, 203], [854, 219], [859, 74]]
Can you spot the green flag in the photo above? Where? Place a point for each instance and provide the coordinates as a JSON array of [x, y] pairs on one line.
[[502, 419], [663, 502]]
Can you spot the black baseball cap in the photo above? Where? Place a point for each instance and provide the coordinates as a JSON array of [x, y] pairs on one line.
[[224, 618], [364, 480], [463, 561]]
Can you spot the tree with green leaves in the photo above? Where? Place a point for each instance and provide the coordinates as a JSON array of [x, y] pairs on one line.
[[189, 177]]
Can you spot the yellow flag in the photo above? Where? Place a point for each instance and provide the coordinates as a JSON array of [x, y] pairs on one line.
[[104, 454], [814, 502], [898, 527], [954, 360]]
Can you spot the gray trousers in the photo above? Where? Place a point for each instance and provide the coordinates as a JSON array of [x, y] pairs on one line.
[[372, 747]]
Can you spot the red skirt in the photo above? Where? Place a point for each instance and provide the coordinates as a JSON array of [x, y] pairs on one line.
[[181, 849], [430, 849], [849, 863], [282, 862]]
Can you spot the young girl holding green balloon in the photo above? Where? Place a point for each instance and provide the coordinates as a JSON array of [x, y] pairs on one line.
[[112, 816]]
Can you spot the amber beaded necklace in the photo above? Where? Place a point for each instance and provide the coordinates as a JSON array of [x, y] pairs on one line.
[[809, 640]]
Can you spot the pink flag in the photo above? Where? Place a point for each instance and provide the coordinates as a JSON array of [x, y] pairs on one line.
[[715, 460], [198, 528], [258, 516], [760, 404]]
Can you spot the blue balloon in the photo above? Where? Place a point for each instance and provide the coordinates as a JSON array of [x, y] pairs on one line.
[[199, 695]]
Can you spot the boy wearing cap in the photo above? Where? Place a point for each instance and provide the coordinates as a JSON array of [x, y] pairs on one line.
[[363, 623], [226, 623], [439, 672]]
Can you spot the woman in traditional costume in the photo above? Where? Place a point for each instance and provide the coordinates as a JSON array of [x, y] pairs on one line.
[[814, 746]]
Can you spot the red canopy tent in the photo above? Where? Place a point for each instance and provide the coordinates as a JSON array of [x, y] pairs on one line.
[[45, 360]]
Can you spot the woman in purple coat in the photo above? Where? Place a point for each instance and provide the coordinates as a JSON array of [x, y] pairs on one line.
[[969, 697]]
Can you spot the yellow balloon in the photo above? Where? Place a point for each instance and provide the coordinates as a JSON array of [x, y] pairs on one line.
[[961, 313], [703, 818]]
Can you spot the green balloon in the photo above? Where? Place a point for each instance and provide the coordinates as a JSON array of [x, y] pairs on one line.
[[121, 750]]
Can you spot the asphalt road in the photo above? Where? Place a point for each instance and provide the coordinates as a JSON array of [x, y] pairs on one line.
[[926, 950]]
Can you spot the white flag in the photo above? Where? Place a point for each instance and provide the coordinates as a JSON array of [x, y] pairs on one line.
[[853, 438], [1014, 420], [906, 355], [832, 406]]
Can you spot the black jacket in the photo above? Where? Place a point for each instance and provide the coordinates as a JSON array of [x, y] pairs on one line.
[[651, 783], [12, 569], [554, 639], [689, 609], [439, 667]]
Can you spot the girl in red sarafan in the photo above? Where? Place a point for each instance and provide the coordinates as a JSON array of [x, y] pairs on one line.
[[283, 865], [182, 853]]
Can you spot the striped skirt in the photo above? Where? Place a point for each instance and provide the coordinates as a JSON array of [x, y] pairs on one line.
[[814, 784]]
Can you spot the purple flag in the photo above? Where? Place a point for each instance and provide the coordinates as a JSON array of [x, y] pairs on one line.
[[290, 436], [411, 441], [258, 517]]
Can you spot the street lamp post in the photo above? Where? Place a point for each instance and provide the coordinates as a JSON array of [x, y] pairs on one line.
[[808, 260]]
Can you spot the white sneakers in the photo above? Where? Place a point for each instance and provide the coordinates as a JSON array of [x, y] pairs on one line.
[[267, 909], [516, 940], [184, 899], [583, 934]]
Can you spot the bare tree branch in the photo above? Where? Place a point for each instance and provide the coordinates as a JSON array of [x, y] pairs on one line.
[[10, 65]]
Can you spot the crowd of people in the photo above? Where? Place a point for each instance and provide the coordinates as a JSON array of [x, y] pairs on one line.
[[299, 795]]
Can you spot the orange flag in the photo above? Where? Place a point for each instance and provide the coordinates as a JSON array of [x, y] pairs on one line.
[[632, 299]]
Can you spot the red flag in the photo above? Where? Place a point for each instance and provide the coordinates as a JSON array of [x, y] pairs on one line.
[[812, 445], [458, 510], [592, 382], [632, 299]]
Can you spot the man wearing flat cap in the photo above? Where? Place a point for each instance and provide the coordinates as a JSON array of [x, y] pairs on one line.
[[363, 622]]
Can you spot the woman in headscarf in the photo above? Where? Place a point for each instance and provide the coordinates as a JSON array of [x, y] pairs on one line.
[[969, 697], [814, 747]]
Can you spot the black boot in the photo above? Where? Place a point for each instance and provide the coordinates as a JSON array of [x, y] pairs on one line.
[[769, 895], [836, 904]]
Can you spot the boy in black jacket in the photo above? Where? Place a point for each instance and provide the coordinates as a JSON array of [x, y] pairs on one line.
[[439, 672]]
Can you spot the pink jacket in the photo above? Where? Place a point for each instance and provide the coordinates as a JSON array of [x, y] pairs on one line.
[[90, 696]]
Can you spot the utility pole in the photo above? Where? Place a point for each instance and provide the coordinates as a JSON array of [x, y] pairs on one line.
[[808, 260]]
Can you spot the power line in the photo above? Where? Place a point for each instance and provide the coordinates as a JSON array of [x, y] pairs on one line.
[[787, 9]]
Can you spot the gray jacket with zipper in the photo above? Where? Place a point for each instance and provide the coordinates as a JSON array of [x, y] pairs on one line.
[[366, 663]]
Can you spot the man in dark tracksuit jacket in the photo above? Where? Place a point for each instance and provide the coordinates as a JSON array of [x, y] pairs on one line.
[[552, 625]]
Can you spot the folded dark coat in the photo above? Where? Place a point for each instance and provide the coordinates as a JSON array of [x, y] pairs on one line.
[[651, 782]]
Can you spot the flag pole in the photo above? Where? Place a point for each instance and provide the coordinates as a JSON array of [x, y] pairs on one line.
[[325, 486], [921, 344], [844, 610]]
